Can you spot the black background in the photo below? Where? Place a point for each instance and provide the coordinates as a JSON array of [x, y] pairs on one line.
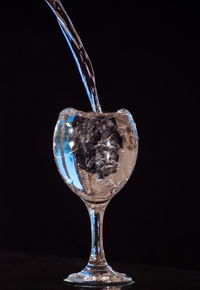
[[146, 59]]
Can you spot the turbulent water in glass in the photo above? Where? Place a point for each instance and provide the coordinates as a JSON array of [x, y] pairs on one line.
[[95, 152]]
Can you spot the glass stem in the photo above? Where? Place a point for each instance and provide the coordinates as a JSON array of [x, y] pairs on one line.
[[97, 255]]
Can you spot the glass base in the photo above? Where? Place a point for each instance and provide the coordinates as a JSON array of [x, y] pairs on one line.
[[98, 276]]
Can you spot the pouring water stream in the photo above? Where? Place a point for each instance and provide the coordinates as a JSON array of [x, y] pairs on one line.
[[79, 53]]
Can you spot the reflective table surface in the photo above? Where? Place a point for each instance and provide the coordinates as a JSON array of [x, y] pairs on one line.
[[24, 271]]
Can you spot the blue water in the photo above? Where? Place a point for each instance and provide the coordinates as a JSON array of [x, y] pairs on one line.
[[63, 152]]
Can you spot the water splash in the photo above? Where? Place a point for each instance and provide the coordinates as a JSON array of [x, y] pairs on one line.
[[79, 53]]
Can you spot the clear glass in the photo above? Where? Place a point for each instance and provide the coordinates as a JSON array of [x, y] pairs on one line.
[[95, 154]]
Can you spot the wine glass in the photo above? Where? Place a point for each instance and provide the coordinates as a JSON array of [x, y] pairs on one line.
[[95, 154]]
